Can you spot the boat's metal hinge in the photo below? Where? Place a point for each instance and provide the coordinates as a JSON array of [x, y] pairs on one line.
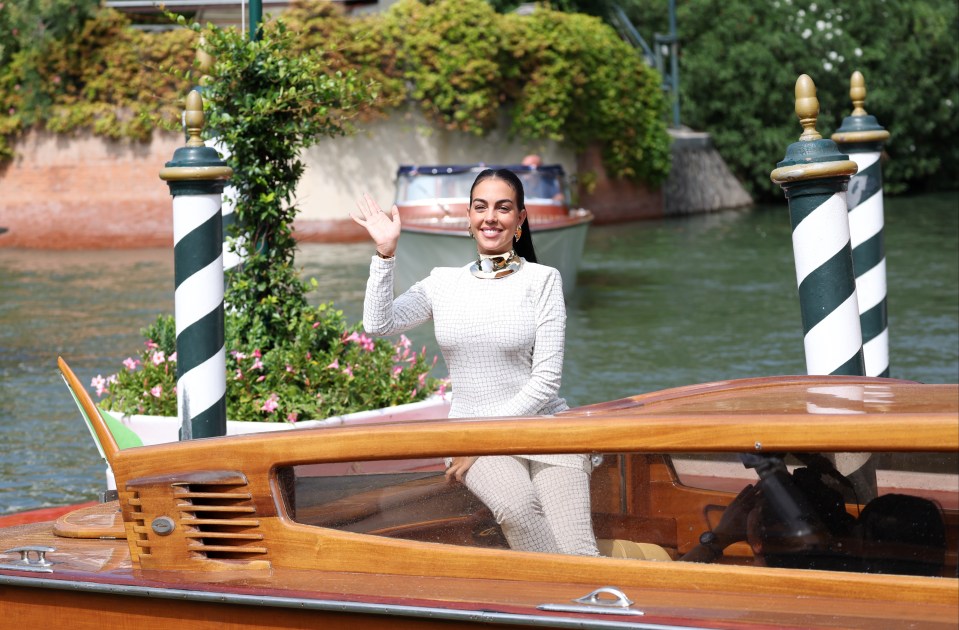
[[615, 604], [32, 558]]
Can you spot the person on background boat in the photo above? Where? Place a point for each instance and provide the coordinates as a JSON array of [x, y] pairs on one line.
[[500, 322], [539, 185]]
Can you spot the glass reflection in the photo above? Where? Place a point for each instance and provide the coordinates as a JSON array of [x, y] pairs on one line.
[[788, 511]]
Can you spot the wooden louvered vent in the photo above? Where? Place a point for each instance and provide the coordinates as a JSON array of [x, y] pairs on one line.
[[204, 520], [223, 519]]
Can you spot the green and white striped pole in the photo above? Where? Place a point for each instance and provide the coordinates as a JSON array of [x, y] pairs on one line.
[[814, 175], [862, 137], [196, 176]]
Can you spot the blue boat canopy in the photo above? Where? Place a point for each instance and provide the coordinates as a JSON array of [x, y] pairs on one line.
[[455, 169]]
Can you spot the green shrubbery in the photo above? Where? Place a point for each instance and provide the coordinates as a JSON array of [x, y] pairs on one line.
[[325, 367], [286, 360], [567, 77], [740, 61]]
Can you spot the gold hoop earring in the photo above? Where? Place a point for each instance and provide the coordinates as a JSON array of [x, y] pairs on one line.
[[519, 233]]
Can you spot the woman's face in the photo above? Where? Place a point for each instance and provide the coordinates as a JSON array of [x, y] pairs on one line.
[[494, 216]]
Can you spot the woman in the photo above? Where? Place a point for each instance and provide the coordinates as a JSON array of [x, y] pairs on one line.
[[500, 322]]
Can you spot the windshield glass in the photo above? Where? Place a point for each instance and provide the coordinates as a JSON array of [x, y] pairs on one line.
[[543, 186], [793, 511]]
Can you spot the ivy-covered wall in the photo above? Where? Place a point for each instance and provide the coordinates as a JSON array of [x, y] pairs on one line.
[[562, 77]]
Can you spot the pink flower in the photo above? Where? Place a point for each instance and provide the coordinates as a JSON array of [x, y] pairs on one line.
[[363, 340], [157, 357], [292, 416], [348, 370], [131, 363], [257, 354], [157, 391], [261, 378], [257, 364], [397, 370], [172, 358], [316, 324], [239, 356], [271, 404], [442, 388], [239, 375], [404, 341], [150, 344], [112, 379], [334, 366], [99, 383], [289, 368], [422, 380]]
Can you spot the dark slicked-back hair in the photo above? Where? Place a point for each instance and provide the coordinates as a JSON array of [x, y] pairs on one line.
[[524, 246]]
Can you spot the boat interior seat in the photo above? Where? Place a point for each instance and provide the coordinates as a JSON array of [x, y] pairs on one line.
[[619, 548]]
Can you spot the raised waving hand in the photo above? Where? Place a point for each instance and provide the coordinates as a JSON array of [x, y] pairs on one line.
[[383, 228]]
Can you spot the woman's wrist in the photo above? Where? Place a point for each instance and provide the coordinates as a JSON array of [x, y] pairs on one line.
[[385, 256]]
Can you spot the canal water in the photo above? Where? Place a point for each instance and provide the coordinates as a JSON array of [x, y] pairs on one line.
[[658, 304]]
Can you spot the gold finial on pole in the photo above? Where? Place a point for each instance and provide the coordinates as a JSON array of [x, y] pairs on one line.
[[807, 107], [857, 92], [193, 118], [204, 61]]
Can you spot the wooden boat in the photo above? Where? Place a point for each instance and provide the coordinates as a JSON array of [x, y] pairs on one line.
[[357, 527], [433, 200]]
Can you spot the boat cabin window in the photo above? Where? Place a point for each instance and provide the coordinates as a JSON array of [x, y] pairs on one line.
[[546, 186], [781, 510]]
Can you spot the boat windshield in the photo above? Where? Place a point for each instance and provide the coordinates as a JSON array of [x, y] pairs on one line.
[[790, 511], [546, 185]]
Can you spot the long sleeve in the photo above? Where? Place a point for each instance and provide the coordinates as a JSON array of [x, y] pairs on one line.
[[382, 314], [539, 394]]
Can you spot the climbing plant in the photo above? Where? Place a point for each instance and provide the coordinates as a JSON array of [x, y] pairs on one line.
[[461, 62]]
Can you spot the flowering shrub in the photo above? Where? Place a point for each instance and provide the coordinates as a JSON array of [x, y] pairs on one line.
[[328, 368], [286, 360]]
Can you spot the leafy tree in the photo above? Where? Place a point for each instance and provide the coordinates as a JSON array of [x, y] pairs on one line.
[[740, 61]]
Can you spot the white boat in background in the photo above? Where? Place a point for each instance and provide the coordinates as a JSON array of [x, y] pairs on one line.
[[433, 201]]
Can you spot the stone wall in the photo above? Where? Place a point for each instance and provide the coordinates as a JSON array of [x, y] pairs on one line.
[[699, 180], [83, 191]]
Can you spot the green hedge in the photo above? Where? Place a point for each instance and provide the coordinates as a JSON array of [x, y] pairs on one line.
[[740, 61], [566, 77]]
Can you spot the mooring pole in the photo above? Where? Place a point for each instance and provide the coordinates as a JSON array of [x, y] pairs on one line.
[[814, 176], [256, 16], [196, 176], [862, 138]]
